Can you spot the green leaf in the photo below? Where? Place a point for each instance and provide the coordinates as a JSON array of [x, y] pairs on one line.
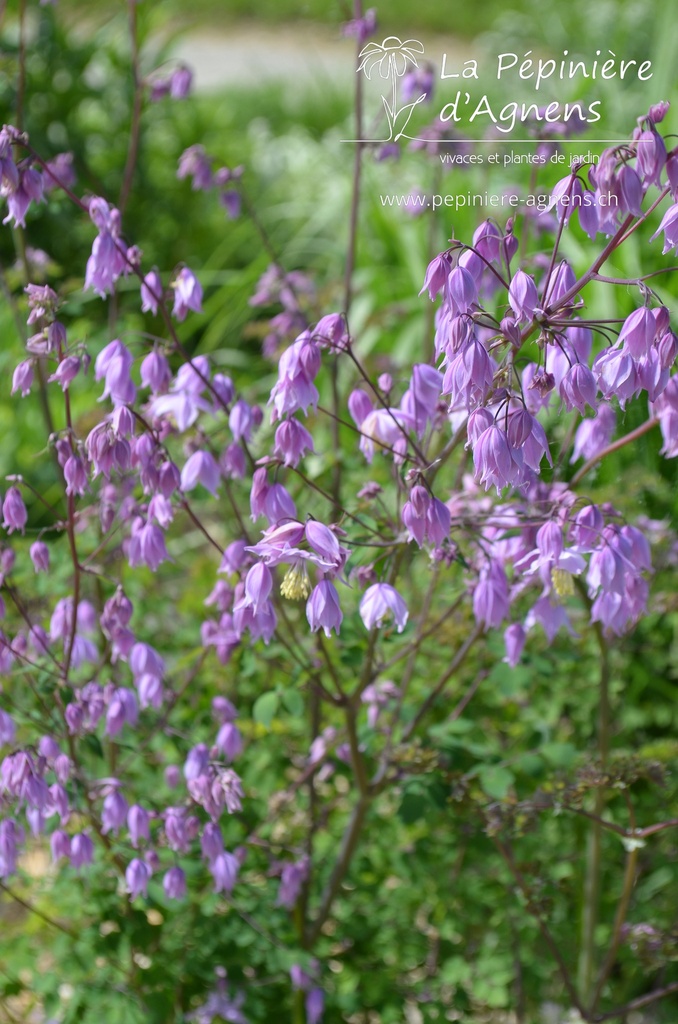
[[496, 781], [265, 708], [294, 702], [559, 755]]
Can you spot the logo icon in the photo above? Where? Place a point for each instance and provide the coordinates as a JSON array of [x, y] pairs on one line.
[[390, 60]]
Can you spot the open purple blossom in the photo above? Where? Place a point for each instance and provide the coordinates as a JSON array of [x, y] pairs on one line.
[[380, 603], [187, 294]]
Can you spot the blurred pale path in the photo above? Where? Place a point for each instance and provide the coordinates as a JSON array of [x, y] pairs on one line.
[[298, 54]]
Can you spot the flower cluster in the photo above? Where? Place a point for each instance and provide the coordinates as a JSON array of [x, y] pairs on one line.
[[174, 441]]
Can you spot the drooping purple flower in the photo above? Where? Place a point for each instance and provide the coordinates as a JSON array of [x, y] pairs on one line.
[[196, 762], [315, 1005], [121, 710], [200, 468], [137, 876], [211, 842], [258, 585], [113, 812], [492, 458], [617, 375], [66, 372], [292, 878], [491, 596], [380, 602], [414, 514], [180, 82], [137, 824], [174, 883], [229, 741], [7, 728], [469, 375], [187, 294], [60, 845], [323, 610], [39, 553], [82, 850], [514, 641], [224, 869], [578, 388], [651, 156], [593, 435], [551, 617], [436, 275], [669, 225], [75, 475], [15, 515], [151, 293], [22, 378], [146, 546], [638, 332], [292, 441], [108, 258], [523, 297]]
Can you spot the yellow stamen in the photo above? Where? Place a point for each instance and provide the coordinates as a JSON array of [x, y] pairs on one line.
[[296, 585], [563, 584]]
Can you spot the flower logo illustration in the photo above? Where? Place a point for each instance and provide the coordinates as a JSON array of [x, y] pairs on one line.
[[391, 59]]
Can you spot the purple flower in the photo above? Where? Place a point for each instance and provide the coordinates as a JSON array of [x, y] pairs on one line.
[[578, 388], [196, 762], [551, 617], [436, 275], [492, 458], [151, 293], [638, 332], [593, 435], [180, 82], [22, 378], [174, 884], [617, 375], [461, 293], [137, 823], [211, 842], [113, 812], [200, 468], [292, 878], [651, 157], [323, 610], [514, 641], [82, 850], [122, 709], [75, 475], [187, 294], [415, 513], [137, 877], [669, 226], [315, 1005], [147, 546], [194, 163], [155, 372], [14, 511], [66, 371], [108, 259], [60, 844], [292, 441], [229, 741], [361, 28], [491, 596], [380, 602], [523, 297], [224, 869]]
